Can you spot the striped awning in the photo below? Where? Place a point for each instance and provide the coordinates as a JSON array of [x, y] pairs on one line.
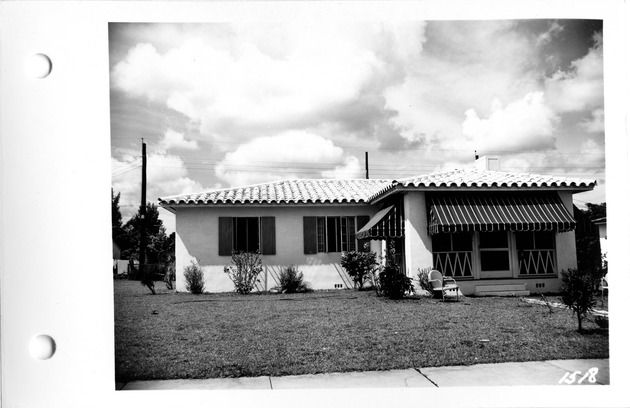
[[484, 211], [387, 223]]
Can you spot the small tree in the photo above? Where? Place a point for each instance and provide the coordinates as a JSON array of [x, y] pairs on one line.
[[359, 266], [292, 280], [194, 278], [244, 273], [169, 276], [579, 287], [147, 279]]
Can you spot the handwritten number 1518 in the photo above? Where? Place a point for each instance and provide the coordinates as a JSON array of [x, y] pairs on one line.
[[569, 378]]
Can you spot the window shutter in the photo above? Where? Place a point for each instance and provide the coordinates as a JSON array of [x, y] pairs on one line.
[[361, 221], [310, 235], [268, 235], [226, 234]]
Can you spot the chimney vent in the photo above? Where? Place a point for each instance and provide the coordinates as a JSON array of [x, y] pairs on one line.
[[487, 163]]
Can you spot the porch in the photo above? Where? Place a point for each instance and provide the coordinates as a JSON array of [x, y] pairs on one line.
[[499, 243]]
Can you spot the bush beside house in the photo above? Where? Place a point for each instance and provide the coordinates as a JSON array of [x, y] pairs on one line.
[[292, 281], [244, 273], [423, 279], [194, 278], [359, 266]]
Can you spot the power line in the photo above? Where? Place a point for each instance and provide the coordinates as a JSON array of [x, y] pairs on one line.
[[405, 149]]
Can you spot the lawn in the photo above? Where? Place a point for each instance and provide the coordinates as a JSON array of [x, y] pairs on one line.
[[178, 335]]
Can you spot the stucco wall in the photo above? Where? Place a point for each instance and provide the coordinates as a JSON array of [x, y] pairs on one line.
[[418, 244], [565, 241], [197, 238]]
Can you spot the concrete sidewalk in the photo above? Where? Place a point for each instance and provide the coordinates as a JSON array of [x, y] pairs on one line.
[[549, 372]]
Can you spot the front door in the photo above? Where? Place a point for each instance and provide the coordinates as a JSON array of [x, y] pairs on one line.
[[494, 255]]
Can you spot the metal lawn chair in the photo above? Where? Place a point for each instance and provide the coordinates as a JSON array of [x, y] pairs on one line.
[[443, 284]]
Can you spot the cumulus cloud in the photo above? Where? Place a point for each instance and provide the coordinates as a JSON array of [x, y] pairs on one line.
[[292, 154], [175, 140], [351, 168], [166, 175], [596, 123], [525, 124], [554, 29], [278, 78], [582, 86], [460, 70]]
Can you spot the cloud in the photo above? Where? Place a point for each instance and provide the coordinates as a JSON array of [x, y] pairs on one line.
[[546, 37], [582, 86], [458, 70], [596, 123], [175, 140], [289, 155], [275, 77], [525, 124], [350, 169], [166, 175]]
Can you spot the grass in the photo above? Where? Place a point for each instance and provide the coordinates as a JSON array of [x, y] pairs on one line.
[[178, 335]]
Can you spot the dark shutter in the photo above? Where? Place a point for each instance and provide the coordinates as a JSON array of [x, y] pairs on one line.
[[268, 235], [310, 235], [226, 234], [361, 221]]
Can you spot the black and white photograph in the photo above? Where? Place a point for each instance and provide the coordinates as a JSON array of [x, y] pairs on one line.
[[323, 204], [314, 203]]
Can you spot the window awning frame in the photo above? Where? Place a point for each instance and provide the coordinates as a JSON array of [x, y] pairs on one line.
[[497, 211], [387, 223]]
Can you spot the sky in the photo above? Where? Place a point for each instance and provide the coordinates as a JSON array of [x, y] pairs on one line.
[[229, 104]]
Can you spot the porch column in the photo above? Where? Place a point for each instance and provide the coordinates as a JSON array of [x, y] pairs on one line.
[[417, 240]]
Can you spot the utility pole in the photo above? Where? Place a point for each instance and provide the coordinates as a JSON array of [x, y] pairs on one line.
[[367, 167], [143, 211]]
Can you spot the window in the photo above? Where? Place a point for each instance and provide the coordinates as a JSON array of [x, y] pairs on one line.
[[331, 234], [536, 252], [494, 251], [452, 254], [248, 234]]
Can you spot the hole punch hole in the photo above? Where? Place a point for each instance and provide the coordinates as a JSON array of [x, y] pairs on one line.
[[38, 66], [42, 347]]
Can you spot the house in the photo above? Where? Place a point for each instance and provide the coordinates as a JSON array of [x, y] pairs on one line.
[[603, 234], [495, 232], [120, 265]]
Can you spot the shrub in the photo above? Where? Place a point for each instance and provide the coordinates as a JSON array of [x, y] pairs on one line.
[[292, 280], [579, 287], [423, 279], [194, 278], [169, 276], [244, 273], [392, 282], [359, 266]]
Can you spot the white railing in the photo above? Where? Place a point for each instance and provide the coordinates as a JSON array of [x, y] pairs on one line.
[[455, 264], [537, 262]]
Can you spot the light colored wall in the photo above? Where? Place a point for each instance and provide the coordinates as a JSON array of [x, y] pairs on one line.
[[418, 244], [197, 237], [565, 241], [551, 284]]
